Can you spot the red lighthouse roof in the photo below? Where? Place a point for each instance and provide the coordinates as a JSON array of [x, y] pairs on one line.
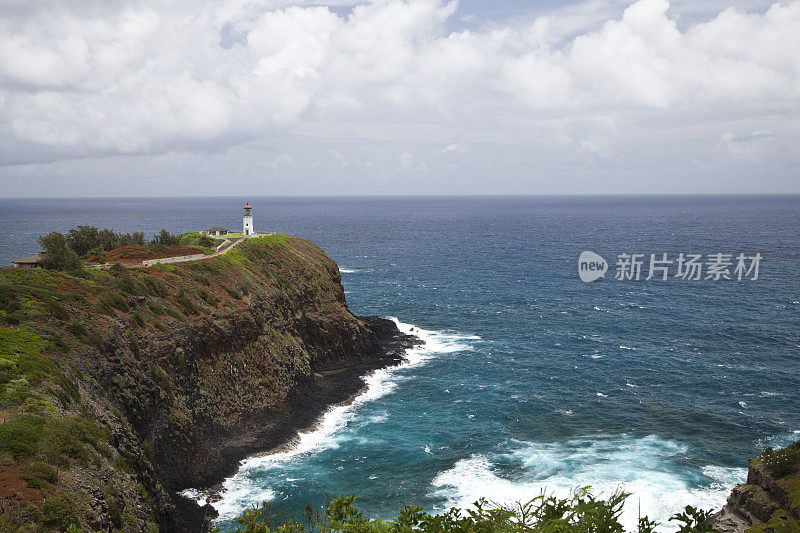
[[247, 206]]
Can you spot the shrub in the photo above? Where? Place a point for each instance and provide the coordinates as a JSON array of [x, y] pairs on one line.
[[780, 463], [207, 298], [189, 307], [58, 513], [56, 255], [34, 483], [155, 287], [580, 512], [83, 334], [115, 508], [20, 436], [114, 300], [105, 308], [165, 238], [127, 284], [133, 343], [232, 292], [147, 451], [44, 471], [56, 309], [155, 308], [160, 376], [137, 319]]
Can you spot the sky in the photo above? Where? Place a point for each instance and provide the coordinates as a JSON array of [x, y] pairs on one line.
[[396, 97]]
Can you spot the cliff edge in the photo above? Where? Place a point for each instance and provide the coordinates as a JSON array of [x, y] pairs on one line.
[[122, 387], [770, 499]]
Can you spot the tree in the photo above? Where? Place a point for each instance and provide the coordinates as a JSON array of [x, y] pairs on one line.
[[82, 239], [165, 238], [56, 255], [108, 240]]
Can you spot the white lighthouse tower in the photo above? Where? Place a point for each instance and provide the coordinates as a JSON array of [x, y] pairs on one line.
[[247, 221]]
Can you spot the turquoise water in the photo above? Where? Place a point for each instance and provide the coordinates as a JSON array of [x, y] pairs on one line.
[[530, 379]]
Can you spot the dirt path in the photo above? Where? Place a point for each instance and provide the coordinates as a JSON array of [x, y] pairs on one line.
[[223, 249]]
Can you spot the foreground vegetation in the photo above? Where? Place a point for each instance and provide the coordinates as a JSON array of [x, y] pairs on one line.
[[580, 512]]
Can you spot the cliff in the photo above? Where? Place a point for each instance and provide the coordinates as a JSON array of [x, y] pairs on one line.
[[770, 499], [121, 387]]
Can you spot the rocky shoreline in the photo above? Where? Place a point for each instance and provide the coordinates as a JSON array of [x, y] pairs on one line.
[[335, 383]]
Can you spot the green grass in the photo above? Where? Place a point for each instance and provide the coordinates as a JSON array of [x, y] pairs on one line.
[[53, 441], [276, 239], [18, 342]]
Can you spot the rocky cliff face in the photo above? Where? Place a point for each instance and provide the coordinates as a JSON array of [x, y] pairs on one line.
[[131, 384], [770, 499]]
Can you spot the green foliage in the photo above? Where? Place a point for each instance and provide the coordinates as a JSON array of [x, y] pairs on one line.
[[133, 343], [58, 513], [161, 377], [87, 240], [155, 287], [56, 255], [34, 483], [580, 512], [56, 310], [20, 436], [56, 441], [780, 463], [39, 406], [137, 319], [16, 342], [780, 522], [115, 506], [127, 284], [10, 307], [23, 364], [112, 299], [189, 307], [156, 308], [693, 520], [82, 239], [165, 238], [84, 334], [207, 298], [232, 292], [147, 451], [44, 471], [194, 238]]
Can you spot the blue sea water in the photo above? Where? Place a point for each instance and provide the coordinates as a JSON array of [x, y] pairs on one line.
[[531, 379]]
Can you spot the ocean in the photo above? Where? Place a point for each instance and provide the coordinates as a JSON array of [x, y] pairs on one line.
[[530, 379]]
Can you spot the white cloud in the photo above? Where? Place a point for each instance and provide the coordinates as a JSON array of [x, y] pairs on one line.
[[95, 78]]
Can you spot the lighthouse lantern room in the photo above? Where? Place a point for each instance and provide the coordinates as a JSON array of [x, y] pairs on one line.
[[247, 224]]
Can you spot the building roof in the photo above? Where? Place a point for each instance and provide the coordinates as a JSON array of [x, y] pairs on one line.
[[217, 229], [35, 258], [247, 206]]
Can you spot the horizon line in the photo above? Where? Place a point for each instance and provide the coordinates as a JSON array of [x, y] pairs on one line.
[[444, 195]]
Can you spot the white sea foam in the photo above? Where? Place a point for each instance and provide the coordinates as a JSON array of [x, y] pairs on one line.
[[246, 488], [649, 468], [353, 270]]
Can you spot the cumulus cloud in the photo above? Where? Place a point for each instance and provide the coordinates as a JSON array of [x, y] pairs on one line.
[[98, 78]]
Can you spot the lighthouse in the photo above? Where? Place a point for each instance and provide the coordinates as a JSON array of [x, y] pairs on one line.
[[247, 220]]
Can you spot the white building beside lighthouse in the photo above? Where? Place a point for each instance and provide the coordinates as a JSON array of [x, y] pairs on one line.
[[247, 220]]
